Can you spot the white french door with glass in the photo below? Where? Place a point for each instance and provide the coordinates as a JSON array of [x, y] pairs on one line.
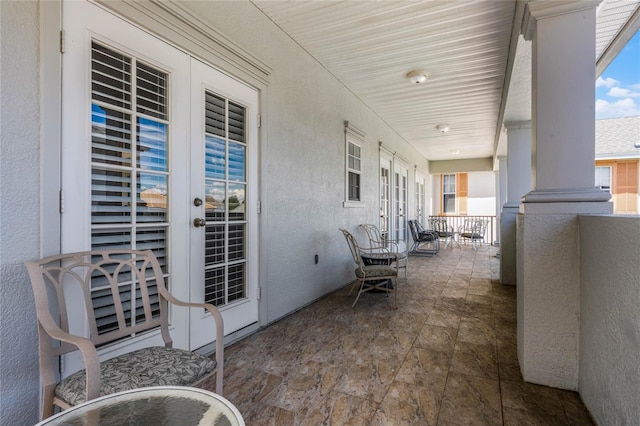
[[224, 166], [420, 198], [385, 196], [394, 177], [138, 148], [400, 188]]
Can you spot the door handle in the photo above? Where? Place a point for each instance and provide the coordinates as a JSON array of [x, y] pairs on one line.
[[198, 222]]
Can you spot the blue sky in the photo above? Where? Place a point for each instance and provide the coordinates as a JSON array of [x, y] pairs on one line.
[[618, 88]]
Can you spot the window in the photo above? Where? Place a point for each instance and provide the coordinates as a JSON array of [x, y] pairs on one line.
[[353, 170], [353, 189], [449, 193], [603, 178]]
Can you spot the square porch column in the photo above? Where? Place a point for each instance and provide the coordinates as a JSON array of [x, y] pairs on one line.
[[518, 184], [563, 157]]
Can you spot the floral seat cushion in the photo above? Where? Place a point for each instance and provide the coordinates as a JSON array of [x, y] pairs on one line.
[[375, 271], [155, 366]]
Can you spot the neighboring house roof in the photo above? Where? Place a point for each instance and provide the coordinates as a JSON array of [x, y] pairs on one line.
[[618, 137]]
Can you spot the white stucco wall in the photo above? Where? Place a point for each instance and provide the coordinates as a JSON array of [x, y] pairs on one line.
[[610, 318], [19, 209], [481, 200]]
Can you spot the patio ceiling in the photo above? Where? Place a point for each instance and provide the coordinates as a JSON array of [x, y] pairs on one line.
[[467, 47]]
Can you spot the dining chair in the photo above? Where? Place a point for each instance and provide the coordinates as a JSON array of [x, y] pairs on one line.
[[121, 293], [385, 245], [382, 276]]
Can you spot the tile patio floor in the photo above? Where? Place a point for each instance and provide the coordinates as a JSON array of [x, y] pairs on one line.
[[447, 356]]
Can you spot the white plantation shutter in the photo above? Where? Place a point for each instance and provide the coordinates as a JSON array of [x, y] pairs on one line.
[[129, 168], [225, 213]]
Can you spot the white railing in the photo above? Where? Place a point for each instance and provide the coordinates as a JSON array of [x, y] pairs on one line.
[[457, 222]]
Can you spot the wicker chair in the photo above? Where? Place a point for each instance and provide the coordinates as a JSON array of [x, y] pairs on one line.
[[115, 275]]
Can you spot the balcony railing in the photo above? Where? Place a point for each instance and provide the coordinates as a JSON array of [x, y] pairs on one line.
[[456, 222]]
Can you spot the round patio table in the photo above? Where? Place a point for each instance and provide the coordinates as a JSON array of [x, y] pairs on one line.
[[152, 406]]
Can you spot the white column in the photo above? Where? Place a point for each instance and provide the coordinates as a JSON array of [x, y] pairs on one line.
[[518, 184], [501, 193], [563, 140]]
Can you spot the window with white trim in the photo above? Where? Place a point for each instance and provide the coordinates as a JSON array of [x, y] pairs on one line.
[[603, 178], [353, 171], [449, 193], [354, 139]]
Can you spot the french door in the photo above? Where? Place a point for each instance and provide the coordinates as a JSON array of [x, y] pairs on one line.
[[385, 196], [394, 178], [400, 188], [420, 187], [147, 130]]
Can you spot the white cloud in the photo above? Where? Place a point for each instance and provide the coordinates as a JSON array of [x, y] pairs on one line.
[[620, 108], [606, 82], [620, 92]]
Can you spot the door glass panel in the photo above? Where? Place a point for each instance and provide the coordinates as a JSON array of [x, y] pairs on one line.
[[236, 201], [215, 200], [236, 162], [152, 145], [129, 206], [214, 244], [152, 198], [215, 158], [225, 205]]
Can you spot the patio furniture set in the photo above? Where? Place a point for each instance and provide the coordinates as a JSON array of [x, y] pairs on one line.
[[378, 265]]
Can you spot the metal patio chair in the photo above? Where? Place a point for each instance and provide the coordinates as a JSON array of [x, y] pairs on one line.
[[120, 293], [385, 245], [382, 276], [424, 242], [444, 230], [473, 230]]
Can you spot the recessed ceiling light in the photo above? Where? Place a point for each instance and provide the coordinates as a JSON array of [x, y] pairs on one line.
[[455, 151], [442, 128], [418, 76]]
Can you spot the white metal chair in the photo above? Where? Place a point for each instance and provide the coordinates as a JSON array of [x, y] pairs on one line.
[[130, 285], [385, 245], [444, 231], [473, 230], [378, 277]]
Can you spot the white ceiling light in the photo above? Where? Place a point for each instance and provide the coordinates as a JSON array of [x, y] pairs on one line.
[[455, 151], [418, 76], [442, 128]]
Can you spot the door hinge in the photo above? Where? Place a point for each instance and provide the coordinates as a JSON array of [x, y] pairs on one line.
[[61, 41], [259, 293], [259, 121], [61, 201], [259, 207]]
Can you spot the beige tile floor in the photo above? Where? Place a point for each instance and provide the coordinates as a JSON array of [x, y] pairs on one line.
[[447, 356]]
